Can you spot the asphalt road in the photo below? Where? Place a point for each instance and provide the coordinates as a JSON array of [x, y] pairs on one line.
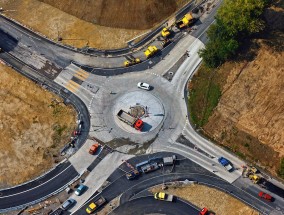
[[184, 170], [148, 205], [38, 189]]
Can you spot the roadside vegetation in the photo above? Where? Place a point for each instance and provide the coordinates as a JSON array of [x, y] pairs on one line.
[[234, 96], [235, 22]]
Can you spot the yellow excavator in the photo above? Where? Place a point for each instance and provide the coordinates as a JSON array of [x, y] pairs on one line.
[[185, 21], [165, 32]]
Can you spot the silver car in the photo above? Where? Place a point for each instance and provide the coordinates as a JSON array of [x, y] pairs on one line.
[[143, 86], [68, 203]]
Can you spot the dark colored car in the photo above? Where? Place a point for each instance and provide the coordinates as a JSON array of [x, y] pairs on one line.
[[81, 189], [67, 204]]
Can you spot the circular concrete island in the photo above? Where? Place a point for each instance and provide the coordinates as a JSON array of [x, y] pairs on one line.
[[138, 105]]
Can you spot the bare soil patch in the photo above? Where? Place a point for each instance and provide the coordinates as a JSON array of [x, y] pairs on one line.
[[102, 24], [34, 125], [129, 14], [203, 196]]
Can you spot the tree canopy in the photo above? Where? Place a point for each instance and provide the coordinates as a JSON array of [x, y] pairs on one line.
[[235, 20]]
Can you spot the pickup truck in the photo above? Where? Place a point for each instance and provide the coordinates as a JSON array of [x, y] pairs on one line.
[[163, 196], [225, 163], [95, 205]]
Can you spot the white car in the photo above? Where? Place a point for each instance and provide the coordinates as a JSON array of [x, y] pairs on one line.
[[143, 86]]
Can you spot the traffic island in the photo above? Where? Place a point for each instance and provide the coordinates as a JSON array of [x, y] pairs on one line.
[[138, 112]]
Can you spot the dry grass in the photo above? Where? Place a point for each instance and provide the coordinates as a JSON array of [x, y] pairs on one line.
[[76, 32], [33, 128], [213, 199]]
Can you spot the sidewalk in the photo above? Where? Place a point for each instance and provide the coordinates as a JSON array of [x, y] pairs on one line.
[[98, 176]]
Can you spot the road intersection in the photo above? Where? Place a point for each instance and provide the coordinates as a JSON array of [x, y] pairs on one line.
[[102, 89]]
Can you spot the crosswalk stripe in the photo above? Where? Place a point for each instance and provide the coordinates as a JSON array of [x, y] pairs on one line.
[[72, 86], [82, 73]]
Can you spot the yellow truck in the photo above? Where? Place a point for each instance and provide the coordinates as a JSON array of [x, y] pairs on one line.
[[95, 205], [150, 51], [165, 32], [185, 21]]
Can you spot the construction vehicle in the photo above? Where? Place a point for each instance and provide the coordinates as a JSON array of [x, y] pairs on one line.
[[165, 42], [187, 20], [95, 205], [226, 164], [255, 178], [130, 120], [165, 32], [131, 62], [94, 148], [150, 51], [163, 197], [133, 174], [205, 211]]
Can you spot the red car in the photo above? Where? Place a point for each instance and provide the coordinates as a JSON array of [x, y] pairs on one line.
[[265, 196]]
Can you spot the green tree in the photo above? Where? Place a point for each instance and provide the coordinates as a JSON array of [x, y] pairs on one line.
[[235, 20]]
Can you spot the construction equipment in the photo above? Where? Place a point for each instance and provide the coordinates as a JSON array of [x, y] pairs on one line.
[[185, 21], [130, 120], [163, 196], [255, 178], [133, 174], [165, 42], [165, 32], [95, 205], [131, 62], [151, 51]]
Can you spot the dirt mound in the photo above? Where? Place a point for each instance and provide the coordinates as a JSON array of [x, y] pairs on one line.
[[130, 14]]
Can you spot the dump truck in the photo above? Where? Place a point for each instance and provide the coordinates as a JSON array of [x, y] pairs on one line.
[[151, 51], [165, 32], [185, 21], [130, 120], [95, 205], [131, 62], [225, 163], [163, 196]]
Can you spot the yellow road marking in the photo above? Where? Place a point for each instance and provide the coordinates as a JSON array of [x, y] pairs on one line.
[[72, 86], [82, 73]]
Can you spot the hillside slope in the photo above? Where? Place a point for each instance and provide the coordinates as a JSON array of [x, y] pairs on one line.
[[131, 14], [250, 115]]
